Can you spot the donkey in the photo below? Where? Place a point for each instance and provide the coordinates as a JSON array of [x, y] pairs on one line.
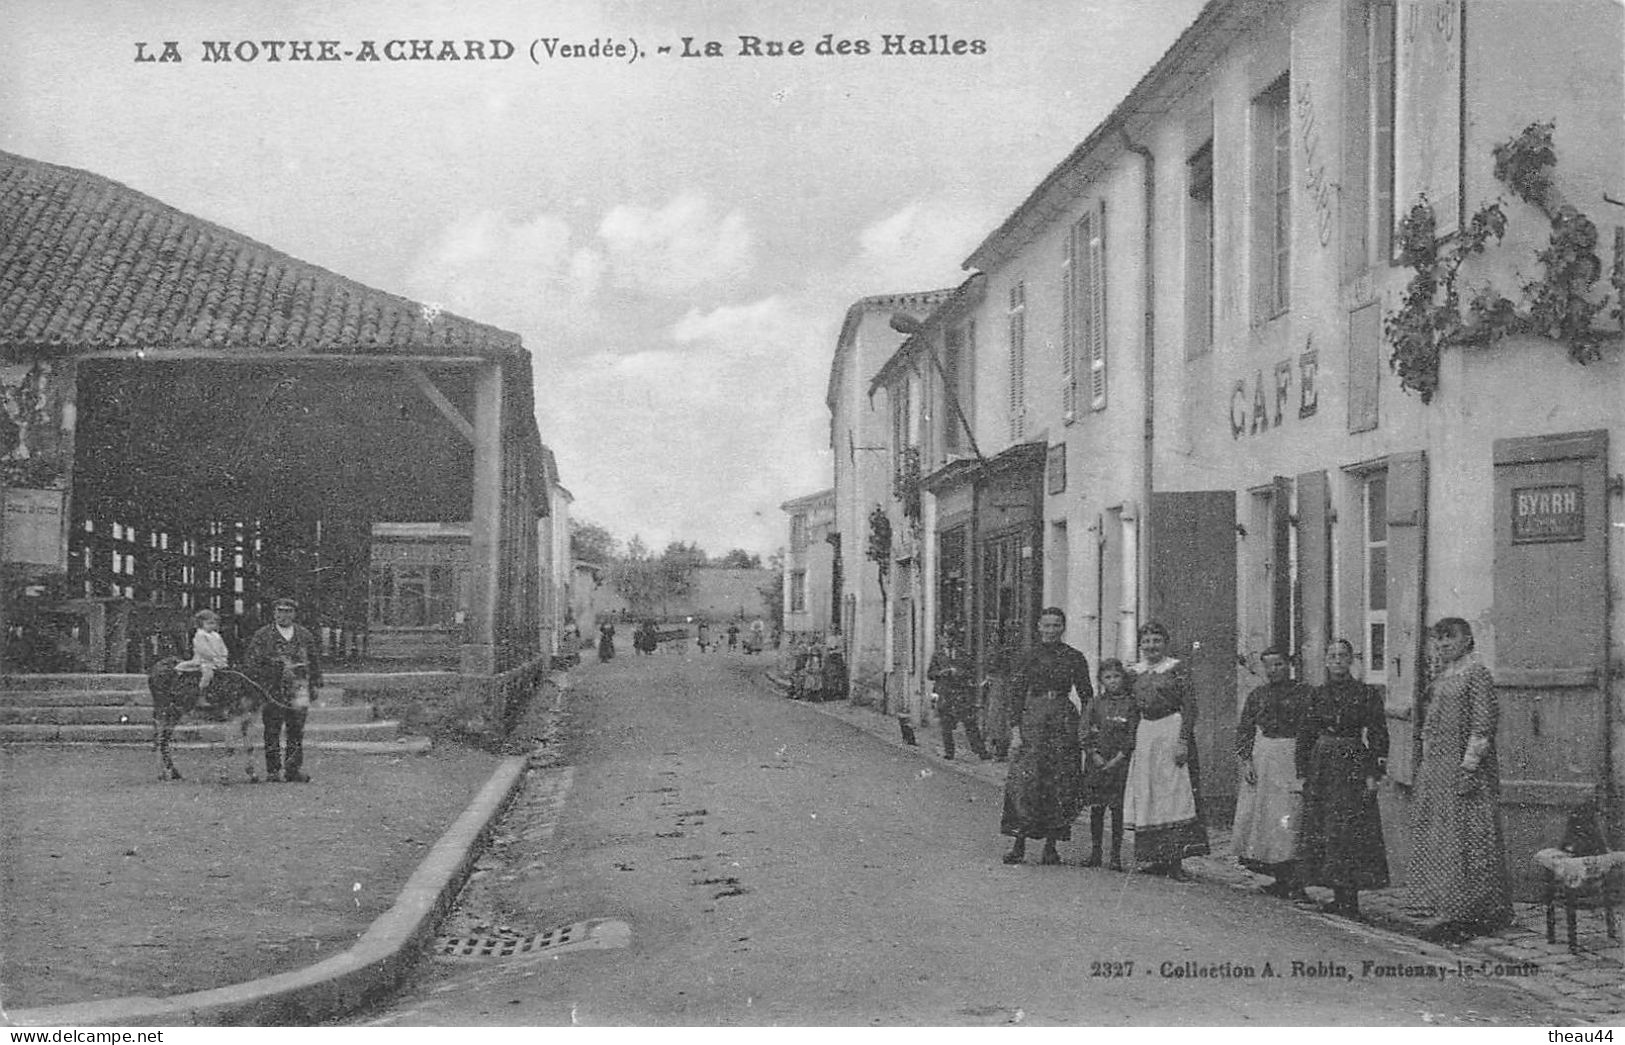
[[174, 693]]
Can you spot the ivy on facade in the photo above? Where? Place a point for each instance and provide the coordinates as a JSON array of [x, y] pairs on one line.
[[879, 550], [1561, 304]]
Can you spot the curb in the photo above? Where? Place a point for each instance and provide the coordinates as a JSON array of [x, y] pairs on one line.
[[1216, 871], [374, 965]]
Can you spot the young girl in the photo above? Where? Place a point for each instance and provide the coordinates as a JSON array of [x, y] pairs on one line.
[[1108, 741], [208, 648]]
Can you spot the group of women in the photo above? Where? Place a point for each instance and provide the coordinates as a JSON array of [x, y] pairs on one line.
[[1131, 752], [1311, 759]]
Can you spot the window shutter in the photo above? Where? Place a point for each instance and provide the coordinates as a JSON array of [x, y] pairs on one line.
[[1069, 324], [1096, 304], [1281, 565], [1314, 574], [1407, 609]]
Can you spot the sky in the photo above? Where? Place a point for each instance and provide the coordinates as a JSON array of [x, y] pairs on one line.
[[676, 239]]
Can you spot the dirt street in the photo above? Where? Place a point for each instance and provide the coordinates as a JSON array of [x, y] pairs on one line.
[[724, 856]]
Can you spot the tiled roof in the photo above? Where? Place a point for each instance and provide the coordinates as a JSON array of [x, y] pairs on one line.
[[89, 264]]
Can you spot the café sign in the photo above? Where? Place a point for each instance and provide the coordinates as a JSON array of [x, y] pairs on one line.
[[1548, 513]]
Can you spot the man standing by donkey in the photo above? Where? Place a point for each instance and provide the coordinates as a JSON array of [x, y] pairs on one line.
[[285, 659]]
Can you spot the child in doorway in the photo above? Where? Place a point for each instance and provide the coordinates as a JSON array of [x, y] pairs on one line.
[[1109, 724], [208, 648]]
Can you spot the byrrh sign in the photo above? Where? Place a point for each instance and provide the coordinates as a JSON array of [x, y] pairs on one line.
[[1548, 513]]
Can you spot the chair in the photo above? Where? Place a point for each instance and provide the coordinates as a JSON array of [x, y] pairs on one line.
[[1585, 866]]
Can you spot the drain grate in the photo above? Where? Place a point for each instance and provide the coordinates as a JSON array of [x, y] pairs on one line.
[[594, 934], [478, 948]]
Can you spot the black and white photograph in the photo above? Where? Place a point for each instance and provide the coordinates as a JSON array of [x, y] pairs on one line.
[[890, 514]]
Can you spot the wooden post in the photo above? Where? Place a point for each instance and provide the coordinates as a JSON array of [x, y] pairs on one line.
[[479, 636]]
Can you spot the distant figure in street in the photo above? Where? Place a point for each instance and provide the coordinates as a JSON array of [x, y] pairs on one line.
[[1458, 856], [953, 673], [1159, 800], [606, 641], [733, 635], [756, 637], [702, 635], [208, 649], [1265, 836], [1109, 724], [645, 638], [1041, 792], [1342, 752], [285, 660]]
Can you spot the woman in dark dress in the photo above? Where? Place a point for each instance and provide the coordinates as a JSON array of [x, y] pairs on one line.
[[1046, 761], [1342, 753], [606, 641]]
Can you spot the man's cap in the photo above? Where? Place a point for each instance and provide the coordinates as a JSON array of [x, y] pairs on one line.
[[286, 604]]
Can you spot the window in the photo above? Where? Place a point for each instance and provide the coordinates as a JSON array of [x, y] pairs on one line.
[[1374, 571], [1199, 240], [798, 591], [1018, 362], [1272, 200], [798, 533]]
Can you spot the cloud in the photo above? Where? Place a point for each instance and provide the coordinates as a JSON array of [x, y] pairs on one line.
[[703, 433], [679, 247], [525, 275], [919, 246]]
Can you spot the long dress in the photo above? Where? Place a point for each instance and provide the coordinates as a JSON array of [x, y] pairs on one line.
[[606, 642], [1159, 800], [1265, 834], [1341, 739], [1042, 787], [1458, 855]]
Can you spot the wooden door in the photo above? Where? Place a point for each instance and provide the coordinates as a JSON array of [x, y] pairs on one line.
[[1193, 593], [1551, 635]]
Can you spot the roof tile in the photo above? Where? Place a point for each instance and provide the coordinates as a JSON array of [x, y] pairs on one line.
[[88, 264]]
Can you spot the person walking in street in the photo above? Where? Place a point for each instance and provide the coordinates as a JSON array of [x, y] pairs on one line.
[[1048, 692], [1269, 802], [733, 635], [606, 641], [1342, 751], [952, 671], [1159, 799], [1109, 724], [284, 659], [702, 635], [1458, 856]]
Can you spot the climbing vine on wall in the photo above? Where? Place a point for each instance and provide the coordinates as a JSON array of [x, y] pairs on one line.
[[1561, 303]]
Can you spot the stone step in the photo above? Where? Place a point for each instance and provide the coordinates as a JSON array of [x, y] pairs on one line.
[[79, 682], [141, 714], [54, 733], [328, 696]]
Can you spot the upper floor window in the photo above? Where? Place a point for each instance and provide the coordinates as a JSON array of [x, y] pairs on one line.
[[1083, 330], [1018, 362], [1272, 200], [798, 533]]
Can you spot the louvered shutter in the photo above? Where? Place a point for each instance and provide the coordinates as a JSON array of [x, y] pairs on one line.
[[1096, 304], [1069, 325]]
